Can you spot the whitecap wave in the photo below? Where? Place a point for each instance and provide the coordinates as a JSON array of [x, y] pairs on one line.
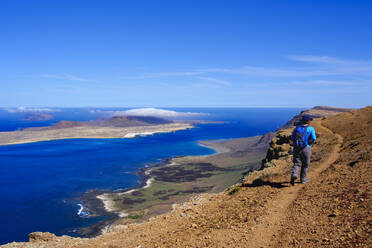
[[82, 212]]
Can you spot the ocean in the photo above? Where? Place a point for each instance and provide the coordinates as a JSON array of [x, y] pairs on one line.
[[41, 183]]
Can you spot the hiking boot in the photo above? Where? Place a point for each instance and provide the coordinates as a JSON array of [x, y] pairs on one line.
[[303, 181], [293, 179]]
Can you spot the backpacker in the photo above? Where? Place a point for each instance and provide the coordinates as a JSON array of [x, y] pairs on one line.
[[300, 137]]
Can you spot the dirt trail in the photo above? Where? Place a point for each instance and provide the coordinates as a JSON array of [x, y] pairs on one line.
[[269, 225]]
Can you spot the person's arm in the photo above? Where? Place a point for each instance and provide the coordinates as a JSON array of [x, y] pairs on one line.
[[312, 135]]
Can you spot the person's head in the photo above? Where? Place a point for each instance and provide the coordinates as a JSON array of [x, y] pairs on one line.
[[306, 119]]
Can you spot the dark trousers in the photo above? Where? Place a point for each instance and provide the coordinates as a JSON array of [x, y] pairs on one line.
[[301, 159]]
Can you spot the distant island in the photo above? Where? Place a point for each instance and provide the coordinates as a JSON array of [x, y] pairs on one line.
[[114, 127], [37, 116]]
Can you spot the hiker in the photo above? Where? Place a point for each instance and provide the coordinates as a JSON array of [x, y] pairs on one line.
[[302, 136]]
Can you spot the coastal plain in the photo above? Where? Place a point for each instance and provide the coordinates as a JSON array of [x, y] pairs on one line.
[[178, 179]]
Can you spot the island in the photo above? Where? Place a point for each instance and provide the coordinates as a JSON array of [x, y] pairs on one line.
[[37, 116], [115, 127]]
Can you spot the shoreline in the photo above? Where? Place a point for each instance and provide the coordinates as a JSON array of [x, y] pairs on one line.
[[101, 202], [97, 204], [214, 146], [106, 208], [108, 204]]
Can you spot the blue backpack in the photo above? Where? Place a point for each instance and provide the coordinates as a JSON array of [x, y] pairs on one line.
[[299, 137]]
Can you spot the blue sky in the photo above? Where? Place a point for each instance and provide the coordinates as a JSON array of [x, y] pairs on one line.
[[185, 53]]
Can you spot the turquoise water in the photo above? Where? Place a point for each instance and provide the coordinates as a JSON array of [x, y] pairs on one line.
[[40, 183]]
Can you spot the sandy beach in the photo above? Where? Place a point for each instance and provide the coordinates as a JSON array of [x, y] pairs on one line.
[[108, 203], [217, 147]]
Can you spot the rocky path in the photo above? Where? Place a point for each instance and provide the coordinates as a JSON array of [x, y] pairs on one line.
[[269, 225]]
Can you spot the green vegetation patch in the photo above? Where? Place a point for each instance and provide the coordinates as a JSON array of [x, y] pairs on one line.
[[186, 172], [145, 197], [175, 182], [134, 217], [222, 181], [234, 189]]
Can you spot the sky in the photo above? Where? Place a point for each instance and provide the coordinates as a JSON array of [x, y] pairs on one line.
[[186, 53]]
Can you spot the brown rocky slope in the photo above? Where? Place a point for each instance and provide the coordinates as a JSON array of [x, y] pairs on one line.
[[333, 210]]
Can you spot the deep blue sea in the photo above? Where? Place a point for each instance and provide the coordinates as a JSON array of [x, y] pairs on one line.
[[41, 182]]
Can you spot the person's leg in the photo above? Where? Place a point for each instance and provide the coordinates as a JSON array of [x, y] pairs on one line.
[[296, 164], [306, 155]]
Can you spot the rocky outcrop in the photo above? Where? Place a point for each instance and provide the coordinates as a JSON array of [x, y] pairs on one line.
[[41, 236], [279, 149]]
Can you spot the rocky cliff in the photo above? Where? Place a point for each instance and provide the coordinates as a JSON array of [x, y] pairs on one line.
[[280, 149]]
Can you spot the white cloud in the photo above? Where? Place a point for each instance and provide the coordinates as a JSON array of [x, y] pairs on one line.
[[327, 82], [65, 76], [149, 112], [215, 80], [166, 74], [22, 109], [317, 66], [327, 60], [271, 72], [318, 59], [337, 65]]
